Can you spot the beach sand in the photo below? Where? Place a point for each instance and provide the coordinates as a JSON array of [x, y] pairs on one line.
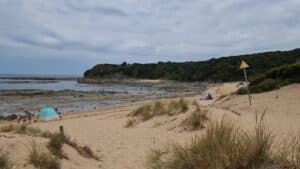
[[126, 148]]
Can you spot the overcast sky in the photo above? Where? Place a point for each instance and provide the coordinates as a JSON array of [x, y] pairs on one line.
[[70, 36]]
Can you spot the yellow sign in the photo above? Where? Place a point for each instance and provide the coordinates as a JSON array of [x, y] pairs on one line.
[[244, 65]]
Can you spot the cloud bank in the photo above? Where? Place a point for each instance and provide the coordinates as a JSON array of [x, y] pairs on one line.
[[77, 34]]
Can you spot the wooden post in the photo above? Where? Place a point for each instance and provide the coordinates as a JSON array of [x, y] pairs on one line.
[[244, 66], [61, 130], [248, 86]]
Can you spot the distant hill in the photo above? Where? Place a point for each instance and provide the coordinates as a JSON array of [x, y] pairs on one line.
[[223, 69]]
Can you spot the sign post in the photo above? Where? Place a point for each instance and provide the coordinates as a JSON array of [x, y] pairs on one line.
[[245, 66]]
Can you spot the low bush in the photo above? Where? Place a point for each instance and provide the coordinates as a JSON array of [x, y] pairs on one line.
[[42, 160]]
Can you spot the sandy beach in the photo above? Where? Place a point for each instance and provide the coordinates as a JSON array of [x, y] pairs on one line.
[[119, 147]]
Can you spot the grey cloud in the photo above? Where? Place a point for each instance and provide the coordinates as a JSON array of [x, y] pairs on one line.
[[148, 30], [78, 6]]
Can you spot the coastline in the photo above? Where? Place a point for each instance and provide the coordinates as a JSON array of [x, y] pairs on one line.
[[119, 147], [69, 101]]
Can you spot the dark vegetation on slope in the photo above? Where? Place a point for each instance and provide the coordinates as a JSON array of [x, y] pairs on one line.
[[217, 70], [277, 77], [274, 79]]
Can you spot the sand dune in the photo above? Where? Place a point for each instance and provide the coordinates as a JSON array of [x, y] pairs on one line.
[[126, 148]]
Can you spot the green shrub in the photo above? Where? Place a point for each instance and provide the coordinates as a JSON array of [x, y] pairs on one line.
[[5, 163], [42, 160]]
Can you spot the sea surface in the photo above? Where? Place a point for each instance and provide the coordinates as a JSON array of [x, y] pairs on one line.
[[59, 85], [66, 94]]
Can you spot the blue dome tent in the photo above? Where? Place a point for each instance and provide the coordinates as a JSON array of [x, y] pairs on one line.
[[48, 113]]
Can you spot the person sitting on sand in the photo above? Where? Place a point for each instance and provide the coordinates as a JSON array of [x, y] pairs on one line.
[[28, 115], [59, 113], [18, 118], [209, 96], [23, 119]]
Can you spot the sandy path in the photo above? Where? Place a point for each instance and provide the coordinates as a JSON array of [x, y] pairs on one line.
[[282, 109], [117, 146]]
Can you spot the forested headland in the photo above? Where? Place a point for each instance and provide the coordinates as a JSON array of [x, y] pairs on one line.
[[222, 69]]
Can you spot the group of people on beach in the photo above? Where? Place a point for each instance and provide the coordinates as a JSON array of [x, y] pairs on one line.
[[24, 118], [28, 116]]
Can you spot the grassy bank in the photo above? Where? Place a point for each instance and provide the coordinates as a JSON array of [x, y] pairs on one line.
[[226, 147]]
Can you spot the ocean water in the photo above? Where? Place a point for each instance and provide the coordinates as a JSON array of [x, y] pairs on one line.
[[94, 96], [14, 97], [59, 85]]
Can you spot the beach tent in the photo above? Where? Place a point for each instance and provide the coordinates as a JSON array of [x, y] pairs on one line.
[[48, 113]]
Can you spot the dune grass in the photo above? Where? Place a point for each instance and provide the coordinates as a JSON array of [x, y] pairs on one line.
[[180, 106], [55, 145], [8, 128], [130, 123], [84, 151], [222, 147], [42, 160], [56, 140], [158, 108], [22, 129], [288, 153], [5, 162], [196, 120]]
